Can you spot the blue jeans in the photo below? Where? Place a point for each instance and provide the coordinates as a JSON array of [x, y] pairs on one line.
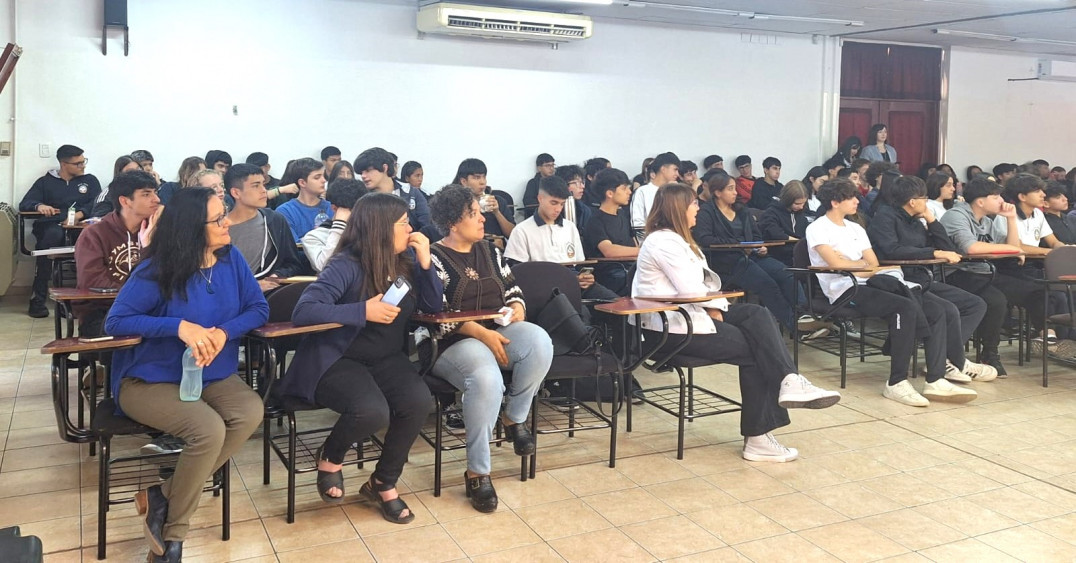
[[469, 366]]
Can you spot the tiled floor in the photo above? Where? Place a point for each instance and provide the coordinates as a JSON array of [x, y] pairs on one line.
[[994, 480]]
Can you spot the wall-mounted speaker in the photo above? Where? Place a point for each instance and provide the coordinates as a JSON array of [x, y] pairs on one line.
[[116, 13]]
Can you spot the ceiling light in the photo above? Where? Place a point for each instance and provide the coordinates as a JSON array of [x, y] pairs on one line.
[[1004, 38], [599, 2], [738, 13]]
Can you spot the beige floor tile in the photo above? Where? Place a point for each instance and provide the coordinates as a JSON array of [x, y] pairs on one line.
[[313, 527], [1062, 527], [851, 541], [490, 532], [429, 543], [748, 484], [562, 518], [37, 507], [517, 494], [42, 456], [675, 536], [591, 479], [535, 553], [652, 469], [1049, 493], [348, 550], [1030, 544], [789, 548], [989, 468], [61, 534], [366, 516], [33, 437], [248, 540], [951, 478], [853, 500], [708, 460], [737, 524], [909, 557], [1017, 505], [600, 546], [723, 555], [690, 495], [854, 466], [74, 556], [802, 475], [40, 480], [906, 489], [911, 529], [628, 506], [33, 419], [970, 549], [796, 511], [450, 506]]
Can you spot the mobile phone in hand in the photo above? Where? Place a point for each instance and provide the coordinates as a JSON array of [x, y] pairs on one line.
[[104, 290], [587, 270], [396, 293]]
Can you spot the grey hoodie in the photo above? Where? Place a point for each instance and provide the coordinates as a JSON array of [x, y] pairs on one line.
[[962, 227]]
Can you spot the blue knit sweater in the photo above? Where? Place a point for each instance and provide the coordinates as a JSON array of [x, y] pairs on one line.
[[236, 305]]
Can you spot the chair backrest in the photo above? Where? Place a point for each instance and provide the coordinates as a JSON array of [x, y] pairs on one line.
[[800, 256], [537, 280], [1060, 262], [282, 301]]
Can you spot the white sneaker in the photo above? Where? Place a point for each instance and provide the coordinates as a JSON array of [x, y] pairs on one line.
[[977, 372], [952, 373], [942, 390], [807, 323], [767, 448], [798, 393], [904, 393]]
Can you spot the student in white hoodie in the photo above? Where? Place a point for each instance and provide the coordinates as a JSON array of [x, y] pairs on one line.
[[320, 244], [744, 334]]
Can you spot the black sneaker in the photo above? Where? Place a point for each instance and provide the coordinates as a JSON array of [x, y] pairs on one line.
[[562, 404], [38, 310], [995, 362], [164, 444], [454, 423]]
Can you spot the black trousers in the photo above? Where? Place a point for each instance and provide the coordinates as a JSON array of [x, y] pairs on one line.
[[970, 312], [904, 314], [49, 235], [997, 307], [748, 338], [371, 396]]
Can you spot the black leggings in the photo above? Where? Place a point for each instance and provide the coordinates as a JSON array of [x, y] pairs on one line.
[[748, 338], [369, 397]]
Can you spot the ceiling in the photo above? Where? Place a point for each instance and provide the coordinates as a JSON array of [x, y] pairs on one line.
[[905, 21]]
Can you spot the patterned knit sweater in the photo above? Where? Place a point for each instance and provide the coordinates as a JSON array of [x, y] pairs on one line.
[[455, 279]]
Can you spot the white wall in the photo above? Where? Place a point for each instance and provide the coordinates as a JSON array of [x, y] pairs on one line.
[[354, 74], [992, 120]]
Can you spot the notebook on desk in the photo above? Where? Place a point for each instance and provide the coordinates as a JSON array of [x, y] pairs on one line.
[[53, 251]]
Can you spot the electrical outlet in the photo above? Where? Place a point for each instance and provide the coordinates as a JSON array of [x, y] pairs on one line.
[[5, 148], [44, 150]]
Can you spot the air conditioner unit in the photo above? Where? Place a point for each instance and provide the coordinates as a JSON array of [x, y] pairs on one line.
[[1056, 71], [502, 23]]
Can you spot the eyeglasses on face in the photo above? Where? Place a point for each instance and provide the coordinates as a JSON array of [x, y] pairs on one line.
[[78, 163], [219, 220]]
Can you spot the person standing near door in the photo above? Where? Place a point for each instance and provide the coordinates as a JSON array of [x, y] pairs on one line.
[[878, 147]]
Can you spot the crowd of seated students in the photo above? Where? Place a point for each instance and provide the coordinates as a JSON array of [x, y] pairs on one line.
[[365, 223]]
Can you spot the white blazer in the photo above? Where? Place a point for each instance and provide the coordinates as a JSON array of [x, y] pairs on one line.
[[667, 266]]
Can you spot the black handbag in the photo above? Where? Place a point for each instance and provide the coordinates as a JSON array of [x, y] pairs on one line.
[[566, 327]]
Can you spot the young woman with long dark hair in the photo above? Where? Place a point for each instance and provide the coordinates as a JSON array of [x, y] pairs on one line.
[[742, 334], [192, 291], [360, 370], [878, 147]]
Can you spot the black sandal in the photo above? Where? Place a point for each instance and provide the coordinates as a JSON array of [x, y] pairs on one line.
[[328, 480], [390, 509]]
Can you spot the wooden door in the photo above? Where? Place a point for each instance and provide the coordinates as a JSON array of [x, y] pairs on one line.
[[913, 131], [855, 118]]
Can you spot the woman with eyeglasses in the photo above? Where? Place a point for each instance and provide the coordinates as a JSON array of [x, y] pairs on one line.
[[743, 334], [477, 277], [191, 293], [361, 370]]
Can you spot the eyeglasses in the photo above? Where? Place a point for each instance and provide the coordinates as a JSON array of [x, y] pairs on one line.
[[402, 223], [219, 220], [577, 183], [80, 163], [694, 203]]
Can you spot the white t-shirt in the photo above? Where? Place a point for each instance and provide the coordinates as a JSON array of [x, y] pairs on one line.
[[936, 207], [641, 203], [534, 240], [1032, 229], [848, 239]]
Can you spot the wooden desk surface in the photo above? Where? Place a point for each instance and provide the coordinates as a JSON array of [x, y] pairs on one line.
[[578, 263], [747, 245], [72, 345], [852, 270], [923, 262], [628, 306], [1066, 278], [286, 328], [73, 294], [699, 298], [456, 316], [624, 259], [296, 279], [993, 256], [31, 214], [78, 226]]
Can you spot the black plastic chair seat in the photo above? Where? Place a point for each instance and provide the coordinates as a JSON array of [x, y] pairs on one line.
[[19, 549], [574, 367], [684, 362], [287, 403], [107, 423], [822, 306], [1062, 319]]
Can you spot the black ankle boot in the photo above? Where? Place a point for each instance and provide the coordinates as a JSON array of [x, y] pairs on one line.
[[152, 504], [521, 437], [173, 553], [481, 492]]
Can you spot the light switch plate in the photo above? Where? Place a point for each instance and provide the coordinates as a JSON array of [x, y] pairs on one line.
[[44, 150], [5, 148]]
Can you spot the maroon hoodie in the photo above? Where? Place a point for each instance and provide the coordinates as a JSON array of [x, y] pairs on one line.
[[105, 254]]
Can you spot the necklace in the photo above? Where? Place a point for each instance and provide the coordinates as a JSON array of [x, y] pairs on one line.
[[208, 280]]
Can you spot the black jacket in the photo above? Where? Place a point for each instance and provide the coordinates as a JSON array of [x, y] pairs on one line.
[[712, 227], [778, 223], [895, 235], [530, 196], [1064, 228], [52, 190], [282, 260]]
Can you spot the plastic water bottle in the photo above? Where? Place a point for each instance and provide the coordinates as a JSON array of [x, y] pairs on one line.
[[320, 219], [71, 213], [190, 387]]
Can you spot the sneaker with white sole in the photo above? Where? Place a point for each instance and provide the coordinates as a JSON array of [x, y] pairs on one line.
[[799, 393], [767, 448], [953, 373], [942, 390], [977, 372], [816, 334], [904, 393], [807, 323]]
